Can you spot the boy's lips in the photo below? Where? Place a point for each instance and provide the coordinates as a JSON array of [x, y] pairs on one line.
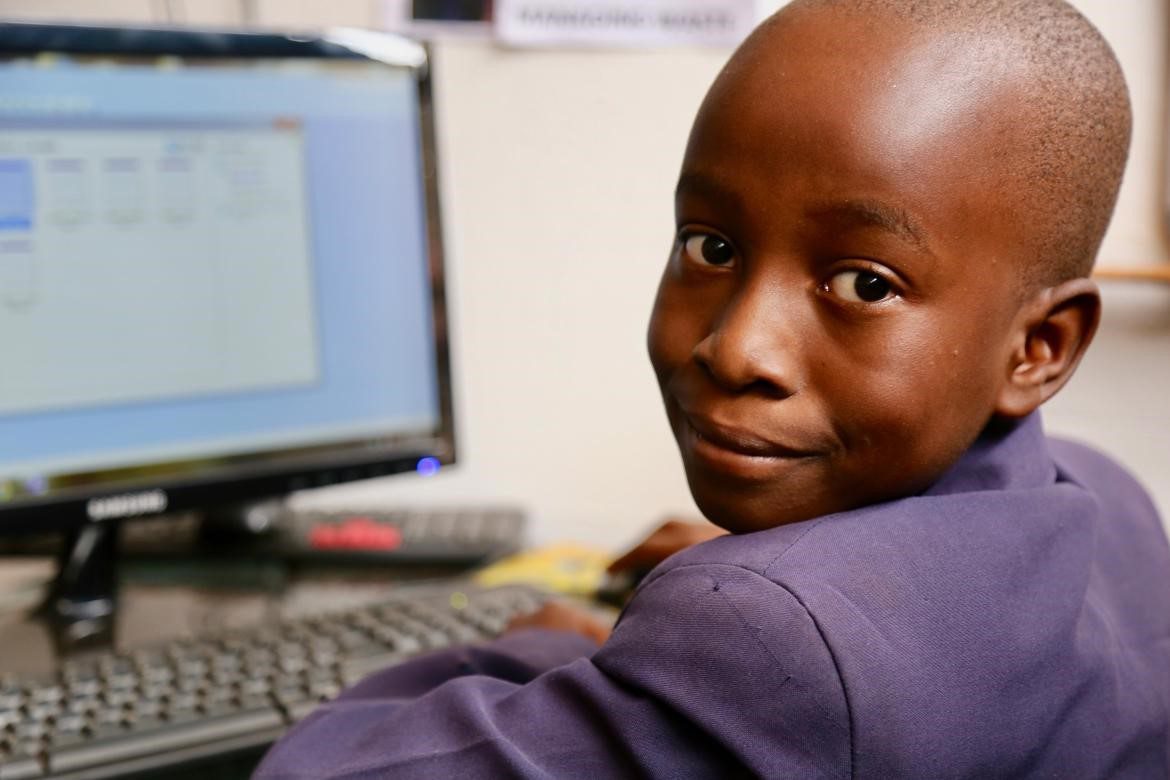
[[730, 448]]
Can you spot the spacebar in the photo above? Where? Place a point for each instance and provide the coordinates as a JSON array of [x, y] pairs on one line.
[[134, 745]]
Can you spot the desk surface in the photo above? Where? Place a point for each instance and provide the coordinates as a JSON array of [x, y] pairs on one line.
[[162, 601]]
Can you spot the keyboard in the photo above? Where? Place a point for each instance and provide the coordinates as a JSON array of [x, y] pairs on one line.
[[457, 536], [165, 707]]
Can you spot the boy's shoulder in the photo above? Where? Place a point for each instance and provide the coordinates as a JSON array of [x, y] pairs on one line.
[[1019, 491], [1007, 588]]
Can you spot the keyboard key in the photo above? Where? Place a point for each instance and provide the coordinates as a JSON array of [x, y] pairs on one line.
[[30, 731], [11, 698], [70, 724], [83, 706], [255, 687], [50, 694], [44, 712], [120, 697], [88, 686]]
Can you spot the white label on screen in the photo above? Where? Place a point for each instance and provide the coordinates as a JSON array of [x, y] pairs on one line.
[[154, 263]]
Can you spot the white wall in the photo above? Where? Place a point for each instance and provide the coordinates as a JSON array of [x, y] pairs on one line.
[[559, 168], [1119, 398]]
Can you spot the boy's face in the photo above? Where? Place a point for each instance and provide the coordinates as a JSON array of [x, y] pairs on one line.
[[834, 323]]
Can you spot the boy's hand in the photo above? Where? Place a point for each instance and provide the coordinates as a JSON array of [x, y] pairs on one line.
[[663, 542], [559, 616], [670, 537]]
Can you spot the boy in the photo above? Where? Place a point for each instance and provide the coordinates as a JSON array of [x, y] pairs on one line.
[[886, 216]]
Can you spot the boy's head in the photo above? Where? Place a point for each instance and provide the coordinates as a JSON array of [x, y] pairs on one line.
[[886, 216]]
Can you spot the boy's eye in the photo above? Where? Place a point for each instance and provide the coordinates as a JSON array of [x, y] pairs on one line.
[[708, 249], [860, 287]]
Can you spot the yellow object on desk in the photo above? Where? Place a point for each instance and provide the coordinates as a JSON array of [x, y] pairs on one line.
[[567, 568]]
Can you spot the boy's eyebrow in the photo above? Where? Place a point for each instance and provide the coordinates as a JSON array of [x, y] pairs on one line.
[[874, 213], [693, 182], [863, 212]]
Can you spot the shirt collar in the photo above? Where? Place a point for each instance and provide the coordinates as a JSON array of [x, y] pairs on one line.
[[1008, 455]]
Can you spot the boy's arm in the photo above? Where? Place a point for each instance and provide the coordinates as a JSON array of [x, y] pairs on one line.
[[713, 671], [517, 657]]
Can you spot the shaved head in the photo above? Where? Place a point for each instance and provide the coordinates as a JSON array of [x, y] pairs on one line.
[[882, 221], [1062, 128]]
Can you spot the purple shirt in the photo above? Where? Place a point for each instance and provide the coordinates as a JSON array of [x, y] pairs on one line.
[[1012, 621]]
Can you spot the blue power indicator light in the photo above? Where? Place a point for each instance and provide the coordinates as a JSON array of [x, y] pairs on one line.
[[428, 466]]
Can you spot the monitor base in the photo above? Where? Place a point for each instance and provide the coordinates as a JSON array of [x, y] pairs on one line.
[[79, 610], [81, 601]]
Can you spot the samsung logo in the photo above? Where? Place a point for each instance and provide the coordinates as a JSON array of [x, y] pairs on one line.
[[148, 502]]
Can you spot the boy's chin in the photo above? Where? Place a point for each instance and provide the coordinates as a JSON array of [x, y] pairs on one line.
[[740, 514], [764, 493], [744, 507]]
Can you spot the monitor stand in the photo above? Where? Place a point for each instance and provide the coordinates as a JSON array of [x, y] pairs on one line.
[[79, 609], [80, 604]]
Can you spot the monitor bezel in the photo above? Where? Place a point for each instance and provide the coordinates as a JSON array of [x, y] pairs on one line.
[[254, 481]]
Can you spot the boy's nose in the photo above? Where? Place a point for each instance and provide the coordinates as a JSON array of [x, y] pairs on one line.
[[754, 345]]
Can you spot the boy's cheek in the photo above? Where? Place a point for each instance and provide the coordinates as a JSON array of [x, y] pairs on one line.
[[675, 329], [690, 303]]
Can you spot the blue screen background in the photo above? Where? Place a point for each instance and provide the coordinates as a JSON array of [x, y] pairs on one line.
[[369, 249]]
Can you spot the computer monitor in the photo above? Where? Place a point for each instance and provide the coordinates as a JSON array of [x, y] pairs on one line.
[[221, 272]]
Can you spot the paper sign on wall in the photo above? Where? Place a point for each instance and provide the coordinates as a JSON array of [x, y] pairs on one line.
[[626, 23]]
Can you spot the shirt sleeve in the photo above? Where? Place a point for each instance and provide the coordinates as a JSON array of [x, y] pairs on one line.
[[713, 671]]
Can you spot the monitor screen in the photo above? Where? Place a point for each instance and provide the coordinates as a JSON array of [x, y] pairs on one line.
[[219, 271]]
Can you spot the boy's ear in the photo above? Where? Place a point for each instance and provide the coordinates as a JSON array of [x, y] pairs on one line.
[[1054, 328]]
